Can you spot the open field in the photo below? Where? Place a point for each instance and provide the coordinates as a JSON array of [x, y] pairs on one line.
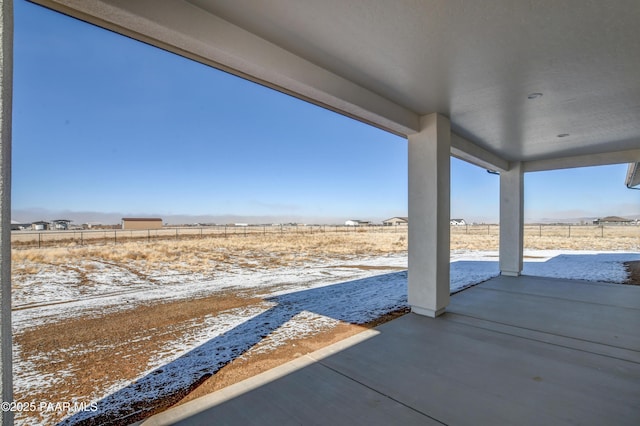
[[54, 238], [42, 239], [136, 326], [550, 237]]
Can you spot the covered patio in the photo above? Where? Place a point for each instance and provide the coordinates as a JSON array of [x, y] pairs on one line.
[[511, 86], [526, 351]]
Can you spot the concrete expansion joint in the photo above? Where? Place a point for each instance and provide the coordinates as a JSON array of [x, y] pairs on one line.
[[381, 393]]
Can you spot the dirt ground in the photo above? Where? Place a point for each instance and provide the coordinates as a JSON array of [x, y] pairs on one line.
[[86, 349], [634, 272]]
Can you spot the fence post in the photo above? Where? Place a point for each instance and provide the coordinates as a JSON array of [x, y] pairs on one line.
[[115, 237], [540, 233], [39, 239], [569, 231]]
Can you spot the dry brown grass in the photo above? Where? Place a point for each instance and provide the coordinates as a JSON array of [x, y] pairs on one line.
[[545, 242], [206, 255]]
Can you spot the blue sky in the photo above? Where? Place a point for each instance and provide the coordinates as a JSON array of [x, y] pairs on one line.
[[107, 125]]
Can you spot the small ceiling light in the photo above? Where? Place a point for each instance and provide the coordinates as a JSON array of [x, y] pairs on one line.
[[534, 95], [563, 135]]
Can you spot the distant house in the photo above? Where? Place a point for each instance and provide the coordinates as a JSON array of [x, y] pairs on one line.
[[18, 226], [396, 221], [40, 225], [457, 222], [141, 223], [61, 224], [613, 220], [356, 222]]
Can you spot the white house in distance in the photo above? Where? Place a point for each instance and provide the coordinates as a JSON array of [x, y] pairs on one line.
[[40, 225], [356, 222], [61, 224], [396, 221], [457, 222]]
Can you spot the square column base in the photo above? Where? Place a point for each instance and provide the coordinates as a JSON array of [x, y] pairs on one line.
[[510, 273], [427, 312]]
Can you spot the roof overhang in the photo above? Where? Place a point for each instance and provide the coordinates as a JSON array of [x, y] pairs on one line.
[[633, 175]]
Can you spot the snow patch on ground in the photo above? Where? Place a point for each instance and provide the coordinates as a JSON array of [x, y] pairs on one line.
[[469, 268], [579, 265]]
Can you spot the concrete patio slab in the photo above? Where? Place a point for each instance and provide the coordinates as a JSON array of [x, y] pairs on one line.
[[592, 312], [526, 351]]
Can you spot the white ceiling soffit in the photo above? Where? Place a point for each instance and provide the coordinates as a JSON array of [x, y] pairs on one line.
[[389, 62], [600, 159]]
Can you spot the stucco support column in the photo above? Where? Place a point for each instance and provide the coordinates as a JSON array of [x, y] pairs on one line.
[[429, 205], [511, 220], [6, 84]]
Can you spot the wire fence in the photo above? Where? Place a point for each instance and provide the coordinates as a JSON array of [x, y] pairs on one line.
[[41, 239], [556, 230]]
